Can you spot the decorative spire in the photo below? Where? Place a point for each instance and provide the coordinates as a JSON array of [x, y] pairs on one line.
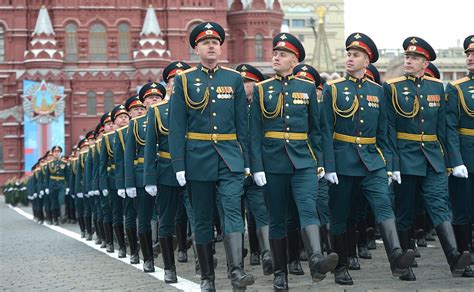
[[322, 58], [43, 23], [150, 25]]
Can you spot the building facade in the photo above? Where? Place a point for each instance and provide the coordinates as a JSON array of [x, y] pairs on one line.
[[101, 52]]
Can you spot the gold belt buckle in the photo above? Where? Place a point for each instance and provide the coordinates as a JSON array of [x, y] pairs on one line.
[[357, 140], [422, 137], [214, 137], [287, 136]]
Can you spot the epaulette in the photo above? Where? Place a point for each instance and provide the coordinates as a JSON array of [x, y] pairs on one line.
[[98, 140], [460, 81], [139, 117], [187, 70], [230, 69], [122, 128], [433, 79], [396, 79], [340, 79], [373, 82], [84, 151], [265, 81], [305, 80], [108, 134]]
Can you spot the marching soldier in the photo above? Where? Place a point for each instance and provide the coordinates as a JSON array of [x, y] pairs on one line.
[[208, 138], [89, 210], [91, 193], [79, 189], [460, 136], [44, 191], [253, 194], [70, 194], [56, 182], [106, 178], [286, 152], [356, 114], [417, 132], [149, 94]]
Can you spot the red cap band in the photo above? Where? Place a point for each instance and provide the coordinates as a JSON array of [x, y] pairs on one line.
[[251, 76], [363, 46], [207, 34], [418, 50], [306, 75], [288, 47]]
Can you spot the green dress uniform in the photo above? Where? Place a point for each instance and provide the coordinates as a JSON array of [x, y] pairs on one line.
[[79, 188], [39, 198], [460, 149], [208, 138], [44, 195], [70, 196], [417, 130], [56, 181]]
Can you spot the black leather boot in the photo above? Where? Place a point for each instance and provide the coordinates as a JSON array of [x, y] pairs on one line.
[[264, 244], [147, 251], [102, 231], [89, 228], [362, 241], [280, 271], [293, 249], [326, 239], [404, 274], [168, 259], [98, 235], [352, 246], [341, 273], [181, 236], [233, 247], [133, 243], [82, 226], [462, 233], [206, 264], [119, 234], [109, 237], [457, 260], [318, 263]]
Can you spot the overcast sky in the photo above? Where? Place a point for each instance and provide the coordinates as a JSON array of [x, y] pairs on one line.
[[443, 24]]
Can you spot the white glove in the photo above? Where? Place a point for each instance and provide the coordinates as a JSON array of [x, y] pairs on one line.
[[35, 195], [67, 191], [80, 195], [332, 177], [41, 192], [321, 174], [105, 192], [46, 191], [181, 178], [86, 195], [390, 180], [131, 192], [96, 192], [151, 189], [121, 193], [90, 193], [72, 196], [396, 176], [460, 171], [259, 178]]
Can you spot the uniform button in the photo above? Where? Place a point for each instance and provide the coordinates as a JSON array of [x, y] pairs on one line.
[[361, 108], [210, 76], [215, 127], [288, 128], [214, 114], [422, 120], [422, 133], [361, 121], [360, 86], [422, 144], [418, 85], [213, 100], [360, 145], [421, 95], [287, 117], [212, 87], [287, 141], [286, 93], [287, 105], [361, 96], [360, 133], [422, 108], [286, 83]]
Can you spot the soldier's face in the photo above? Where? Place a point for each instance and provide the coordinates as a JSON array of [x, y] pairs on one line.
[[470, 61], [283, 62], [248, 85], [169, 86], [91, 141], [208, 49], [109, 127], [151, 100], [415, 65], [137, 111], [356, 61], [122, 120], [57, 153]]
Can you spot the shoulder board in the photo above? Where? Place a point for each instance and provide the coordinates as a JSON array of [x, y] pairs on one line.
[[163, 103], [459, 81], [433, 79], [230, 69], [396, 79], [340, 79], [373, 82], [108, 134], [187, 70], [302, 79], [84, 151], [121, 129], [139, 117], [265, 81], [153, 105]]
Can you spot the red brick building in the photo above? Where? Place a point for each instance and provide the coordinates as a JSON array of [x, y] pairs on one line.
[[102, 51]]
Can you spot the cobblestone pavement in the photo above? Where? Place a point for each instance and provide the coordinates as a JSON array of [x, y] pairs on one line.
[[35, 257]]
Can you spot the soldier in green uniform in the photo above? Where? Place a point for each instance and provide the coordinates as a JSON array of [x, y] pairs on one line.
[[308, 72], [355, 162], [79, 189], [417, 132], [89, 200], [56, 182], [149, 94], [460, 137], [70, 194], [208, 138], [253, 194], [91, 193], [135, 108], [43, 186], [286, 151]]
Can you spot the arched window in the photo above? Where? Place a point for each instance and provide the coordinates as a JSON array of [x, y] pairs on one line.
[[123, 42], [192, 55], [97, 43], [71, 42], [2, 44], [108, 101], [259, 48], [91, 103]]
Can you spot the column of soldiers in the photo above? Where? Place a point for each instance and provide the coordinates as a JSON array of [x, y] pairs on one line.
[[304, 158]]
